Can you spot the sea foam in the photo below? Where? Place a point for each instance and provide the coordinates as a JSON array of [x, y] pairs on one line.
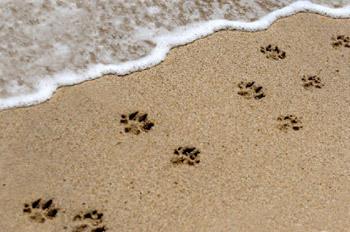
[[29, 77]]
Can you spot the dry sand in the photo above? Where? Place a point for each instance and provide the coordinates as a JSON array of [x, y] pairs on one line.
[[252, 175]]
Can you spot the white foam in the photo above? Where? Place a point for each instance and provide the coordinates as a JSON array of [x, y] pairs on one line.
[[46, 86]]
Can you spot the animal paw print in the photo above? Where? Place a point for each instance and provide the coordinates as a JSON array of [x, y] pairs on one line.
[[136, 122], [188, 155], [91, 221], [273, 52], [40, 210], [312, 81], [289, 121], [251, 90], [341, 41]]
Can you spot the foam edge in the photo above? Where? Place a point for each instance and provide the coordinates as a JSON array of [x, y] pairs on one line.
[[187, 34]]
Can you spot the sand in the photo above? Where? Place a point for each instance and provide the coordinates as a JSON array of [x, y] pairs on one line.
[[260, 169]]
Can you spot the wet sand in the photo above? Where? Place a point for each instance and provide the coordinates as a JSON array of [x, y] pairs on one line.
[[267, 132]]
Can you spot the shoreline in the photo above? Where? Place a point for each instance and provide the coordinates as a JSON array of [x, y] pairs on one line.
[[188, 34], [271, 130]]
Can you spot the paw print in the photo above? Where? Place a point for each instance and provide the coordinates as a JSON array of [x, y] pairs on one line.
[[341, 41], [289, 121], [312, 81], [189, 155], [136, 122], [251, 90], [40, 210], [91, 221], [273, 52]]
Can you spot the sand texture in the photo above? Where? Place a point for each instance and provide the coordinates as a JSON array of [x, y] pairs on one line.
[[238, 136]]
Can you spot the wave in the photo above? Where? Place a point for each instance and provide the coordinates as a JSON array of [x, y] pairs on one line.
[[27, 79]]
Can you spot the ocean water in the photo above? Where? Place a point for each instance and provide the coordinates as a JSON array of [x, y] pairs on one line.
[[46, 44]]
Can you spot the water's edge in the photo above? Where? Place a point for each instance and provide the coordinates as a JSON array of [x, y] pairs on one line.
[[47, 86]]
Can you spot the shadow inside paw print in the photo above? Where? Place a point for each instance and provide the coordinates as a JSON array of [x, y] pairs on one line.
[[40, 210], [136, 122], [273, 52], [187, 155], [91, 221], [251, 90], [312, 81], [341, 41], [289, 121]]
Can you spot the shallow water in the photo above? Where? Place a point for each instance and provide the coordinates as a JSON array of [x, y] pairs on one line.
[[49, 43]]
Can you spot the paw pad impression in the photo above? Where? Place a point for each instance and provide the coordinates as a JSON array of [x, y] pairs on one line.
[[312, 81], [341, 41], [136, 123], [91, 221], [187, 155], [273, 52], [289, 122], [41, 210], [249, 89]]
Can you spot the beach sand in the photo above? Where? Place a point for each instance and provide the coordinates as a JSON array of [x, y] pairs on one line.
[[274, 154]]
